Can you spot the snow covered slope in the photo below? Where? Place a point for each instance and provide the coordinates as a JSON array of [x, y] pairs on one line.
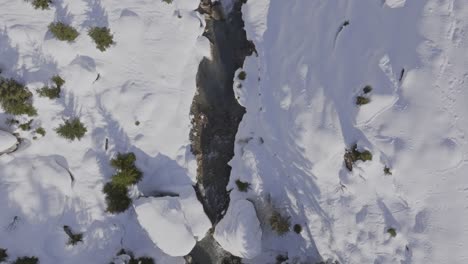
[[314, 58], [136, 94]]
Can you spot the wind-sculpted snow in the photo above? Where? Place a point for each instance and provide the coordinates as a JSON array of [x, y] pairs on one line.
[[134, 97], [239, 232], [7, 142], [300, 94]]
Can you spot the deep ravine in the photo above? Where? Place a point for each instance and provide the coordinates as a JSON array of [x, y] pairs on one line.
[[216, 115]]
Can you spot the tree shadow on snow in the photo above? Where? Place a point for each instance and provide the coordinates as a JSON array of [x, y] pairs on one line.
[[96, 15]]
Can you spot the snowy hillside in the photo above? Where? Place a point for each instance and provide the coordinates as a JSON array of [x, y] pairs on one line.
[[314, 59], [352, 147], [136, 95]]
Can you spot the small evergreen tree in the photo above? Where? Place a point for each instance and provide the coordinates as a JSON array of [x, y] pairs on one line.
[[53, 91], [63, 31], [102, 37], [41, 4], [59, 82], [392, 232], [123, 161], [15, 98], [26, 126], [127, 174], [72, 129], [49, 92], [117, 198], [142, 260], [41, 131], [26, 260], [242, 186], [242, 75], [279, 223], [361, 100], [127, 177], [353, 154], [3, 254]]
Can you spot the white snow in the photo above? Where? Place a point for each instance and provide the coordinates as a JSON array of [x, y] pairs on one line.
[[164, 221], [239, 232], [301, 115], [7, 141], [147, 76], [35, 187], [395, 3]]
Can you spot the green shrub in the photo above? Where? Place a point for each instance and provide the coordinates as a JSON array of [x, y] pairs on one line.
[[127, 174], [117, 198], [102, 37], [137, 123], [42, 4], [26, 260], [367, 89], [297, 228], [41, 131], [142, 260], [361, 100], [53, 91], [3, 254], [364, 156], [230, 259], [281, 259], [168, 1], [353, 154], [387, 171], [127, 177], [242, 186], [72, 129], [49, 92], [279, 223], [26, 126], [242, 75], [63, 31], [392, 231], [73, 238], [15, 98], [123, 161]]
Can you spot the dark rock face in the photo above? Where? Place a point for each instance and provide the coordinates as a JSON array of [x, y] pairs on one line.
[[216, 113], [216, 117]]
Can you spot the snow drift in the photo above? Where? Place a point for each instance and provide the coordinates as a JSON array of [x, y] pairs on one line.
[[8, 142], [239, 232]]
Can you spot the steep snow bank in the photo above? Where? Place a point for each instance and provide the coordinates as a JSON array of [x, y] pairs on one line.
[[300, 97], [173, 223], [239, 231], [135, 96], [164, 221], [7, 142]]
